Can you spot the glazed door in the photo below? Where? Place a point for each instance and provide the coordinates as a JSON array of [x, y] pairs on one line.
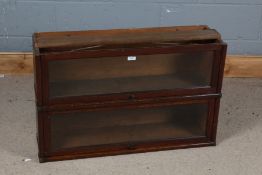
[[127, 126], [191, 72]]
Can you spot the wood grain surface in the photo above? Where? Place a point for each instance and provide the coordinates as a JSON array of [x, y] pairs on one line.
[[117, 37]]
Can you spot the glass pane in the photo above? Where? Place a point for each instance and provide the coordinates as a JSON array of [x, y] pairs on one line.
[[108, 75], [127, 125]]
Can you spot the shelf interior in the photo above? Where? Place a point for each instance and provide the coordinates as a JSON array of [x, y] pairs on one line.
[[120, 85], [128, 125], [94, 76]]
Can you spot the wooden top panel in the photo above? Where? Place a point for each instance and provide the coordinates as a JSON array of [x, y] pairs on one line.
[[125, 37]]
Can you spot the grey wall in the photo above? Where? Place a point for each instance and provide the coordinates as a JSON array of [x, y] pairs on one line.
[[239, 21]]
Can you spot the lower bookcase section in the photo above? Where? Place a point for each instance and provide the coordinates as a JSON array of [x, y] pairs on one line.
[[92, 132]]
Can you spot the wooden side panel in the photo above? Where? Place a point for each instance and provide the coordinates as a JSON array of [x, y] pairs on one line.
[[37, 77], [40, 133], [221, 66]]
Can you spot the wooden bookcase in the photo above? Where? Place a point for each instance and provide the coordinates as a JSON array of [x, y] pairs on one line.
[[121, 91]]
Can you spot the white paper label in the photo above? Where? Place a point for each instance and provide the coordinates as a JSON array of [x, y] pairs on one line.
[[131, 58]]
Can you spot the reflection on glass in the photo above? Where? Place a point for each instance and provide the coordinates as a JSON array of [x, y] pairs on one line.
[[127, 125], [108, 75]]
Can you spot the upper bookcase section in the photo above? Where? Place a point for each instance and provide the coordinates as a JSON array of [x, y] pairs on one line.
[[124, 38]]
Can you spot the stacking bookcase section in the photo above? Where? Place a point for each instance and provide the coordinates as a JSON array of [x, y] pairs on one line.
[[122, 91], [105, 65], [108, 129]]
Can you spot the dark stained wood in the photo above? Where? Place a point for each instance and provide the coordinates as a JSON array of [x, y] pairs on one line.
[[176, 144], [149, 50], [215, 120], [37, 75], [222, 66], [83, 74], [40, 134], [126, 103]]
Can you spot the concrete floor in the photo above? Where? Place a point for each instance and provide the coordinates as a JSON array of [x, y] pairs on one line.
[[239, 149]]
